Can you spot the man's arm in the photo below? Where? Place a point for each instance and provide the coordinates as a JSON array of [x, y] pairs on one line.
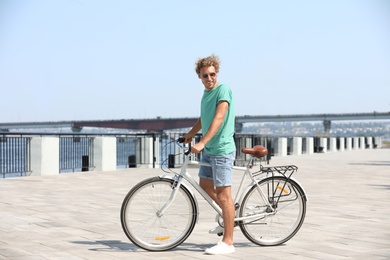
[[195, 129], [220, 113]]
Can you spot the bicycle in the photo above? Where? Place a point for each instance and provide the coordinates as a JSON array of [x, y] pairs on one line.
[[159, 213]]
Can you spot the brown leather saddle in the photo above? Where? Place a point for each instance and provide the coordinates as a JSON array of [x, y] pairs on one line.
[[257, 151]]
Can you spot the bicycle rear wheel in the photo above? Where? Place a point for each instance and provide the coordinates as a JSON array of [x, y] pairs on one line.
[[289, 202], [145, 228]]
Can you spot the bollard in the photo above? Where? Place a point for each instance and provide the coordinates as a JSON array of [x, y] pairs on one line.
[[85, 163], [132, 161], [171, 161]]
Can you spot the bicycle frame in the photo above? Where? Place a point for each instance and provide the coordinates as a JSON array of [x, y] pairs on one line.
[[178, 179], [170, 209]]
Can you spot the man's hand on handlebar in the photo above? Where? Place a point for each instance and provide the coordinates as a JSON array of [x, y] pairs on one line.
[[196, 148], [187, 139]]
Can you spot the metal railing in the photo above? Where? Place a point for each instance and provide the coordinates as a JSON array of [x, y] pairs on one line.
[[250, 140], [15, 156], [76, 153], [126, 150], [130, 149]]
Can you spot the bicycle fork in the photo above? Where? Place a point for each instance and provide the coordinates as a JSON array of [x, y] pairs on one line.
[[175, 189]]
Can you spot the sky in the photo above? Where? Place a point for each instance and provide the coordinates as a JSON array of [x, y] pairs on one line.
[[70, 60]]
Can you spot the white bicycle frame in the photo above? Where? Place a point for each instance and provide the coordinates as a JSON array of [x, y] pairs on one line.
[[178, 180]]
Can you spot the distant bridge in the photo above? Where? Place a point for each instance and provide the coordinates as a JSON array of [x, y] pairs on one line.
[[161, 124], [325, 118]]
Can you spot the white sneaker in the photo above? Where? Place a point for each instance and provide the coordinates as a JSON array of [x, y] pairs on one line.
[[220, 248]]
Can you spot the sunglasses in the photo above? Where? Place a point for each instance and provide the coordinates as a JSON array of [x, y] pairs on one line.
[[212, 74]]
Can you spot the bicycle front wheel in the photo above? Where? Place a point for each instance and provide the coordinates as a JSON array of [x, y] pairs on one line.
[[146, 227], [278, 221]]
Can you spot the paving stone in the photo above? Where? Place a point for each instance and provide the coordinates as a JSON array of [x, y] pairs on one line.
[[76, 215]]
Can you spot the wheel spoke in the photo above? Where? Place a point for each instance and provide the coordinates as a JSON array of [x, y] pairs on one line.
[[142, 224], [288, 203]]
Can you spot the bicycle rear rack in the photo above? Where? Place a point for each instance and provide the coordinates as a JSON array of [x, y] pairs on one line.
[[277, 190], [286, 171]]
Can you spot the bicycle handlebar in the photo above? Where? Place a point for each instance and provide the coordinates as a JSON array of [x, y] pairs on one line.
[[181, 140]]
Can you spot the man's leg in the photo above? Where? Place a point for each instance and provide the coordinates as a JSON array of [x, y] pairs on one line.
[[225, 201], [222, 178], [223, 197], [208, 186]]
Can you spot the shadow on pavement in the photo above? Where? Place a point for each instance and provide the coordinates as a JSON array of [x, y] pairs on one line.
[[373, 163], [108, 245], [119, 246]]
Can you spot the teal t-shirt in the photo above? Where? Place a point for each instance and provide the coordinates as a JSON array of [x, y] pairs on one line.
[[223, 141]]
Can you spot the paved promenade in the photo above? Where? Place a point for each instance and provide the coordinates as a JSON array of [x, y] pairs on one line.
[[76, 215]]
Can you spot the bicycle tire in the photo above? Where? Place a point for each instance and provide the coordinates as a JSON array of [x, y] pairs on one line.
[[139, 215], [273, 229]]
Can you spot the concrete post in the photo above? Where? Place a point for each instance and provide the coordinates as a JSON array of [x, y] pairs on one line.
[[309, 145], [349, 143], [45, 156], [355, 143], [378, 141], [281, 147], [333, 144], [324, 143], [248, 143], [105, 153], [241, 143], [147, 147], [369, 142], [297, 146], [362, 143], [342, 144]]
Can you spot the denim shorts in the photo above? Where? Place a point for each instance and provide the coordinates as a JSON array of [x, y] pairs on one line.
[[221, 169]]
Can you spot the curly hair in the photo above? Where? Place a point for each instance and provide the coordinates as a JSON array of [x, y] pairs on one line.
[[211, 60]]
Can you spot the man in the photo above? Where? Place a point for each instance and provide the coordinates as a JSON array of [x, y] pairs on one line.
[[217, 145]]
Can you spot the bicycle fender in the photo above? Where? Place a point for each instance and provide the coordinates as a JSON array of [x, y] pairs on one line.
[[168, 177], [300, 186]]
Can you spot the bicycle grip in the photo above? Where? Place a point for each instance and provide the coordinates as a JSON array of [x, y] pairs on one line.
[[182, 140]]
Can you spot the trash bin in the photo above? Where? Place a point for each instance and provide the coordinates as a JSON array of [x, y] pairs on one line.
[[85, 163], [171, 161], [132, 161]]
